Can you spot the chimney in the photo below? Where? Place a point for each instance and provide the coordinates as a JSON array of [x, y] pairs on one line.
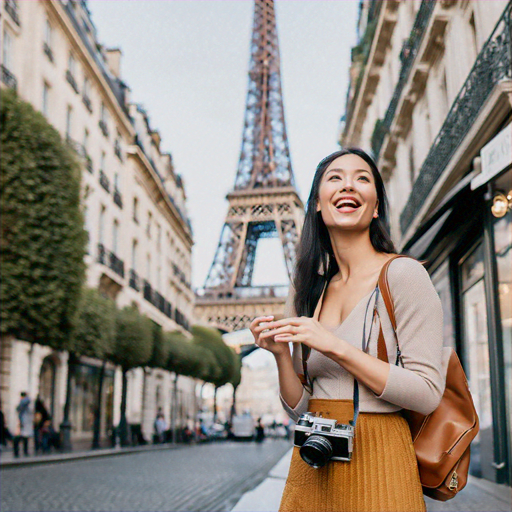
[[113, 57]]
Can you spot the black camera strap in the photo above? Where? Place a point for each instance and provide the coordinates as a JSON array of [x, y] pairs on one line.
[[364, 346]]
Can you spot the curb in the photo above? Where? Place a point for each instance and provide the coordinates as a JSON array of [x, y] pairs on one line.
[[91, 454]]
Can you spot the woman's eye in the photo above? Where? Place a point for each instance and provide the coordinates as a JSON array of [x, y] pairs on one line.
[[364, 178], [334, 177]]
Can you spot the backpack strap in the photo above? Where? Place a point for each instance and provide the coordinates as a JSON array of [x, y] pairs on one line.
[[382, 352]]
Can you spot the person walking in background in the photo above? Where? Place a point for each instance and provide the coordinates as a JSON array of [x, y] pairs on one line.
[[160, 426], [260, 431], [25, 429], [41, 415], [333, 317]]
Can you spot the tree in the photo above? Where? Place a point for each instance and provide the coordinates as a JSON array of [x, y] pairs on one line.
[[211, 340], [133, 347], [161, 348], [94, 336], [42, 236], [236, 378]]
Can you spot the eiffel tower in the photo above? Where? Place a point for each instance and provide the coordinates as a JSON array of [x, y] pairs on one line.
[[264, 202]]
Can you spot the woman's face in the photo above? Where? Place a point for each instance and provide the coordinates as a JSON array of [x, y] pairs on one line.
[[347, 197]]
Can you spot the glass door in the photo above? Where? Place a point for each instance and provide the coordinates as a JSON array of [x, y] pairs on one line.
[[476, 358]]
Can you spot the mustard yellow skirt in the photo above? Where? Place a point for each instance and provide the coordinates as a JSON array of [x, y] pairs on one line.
[[382, 475]]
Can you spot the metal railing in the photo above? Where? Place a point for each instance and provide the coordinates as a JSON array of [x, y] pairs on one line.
[[8, 78], [118, 199], [492, 65], [116, 264], [104, 182], [134, 281], [407, 57], [71, 80], [117, 150], [103, 127], [48, 51], [102, 254], [11, 6], [242, 292], [87, 102], [88, 163]]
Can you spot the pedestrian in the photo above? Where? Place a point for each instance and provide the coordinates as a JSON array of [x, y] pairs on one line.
[[260, 431], [41, 415], [5, 435], [160, 426], [24, 429], [334, 314]]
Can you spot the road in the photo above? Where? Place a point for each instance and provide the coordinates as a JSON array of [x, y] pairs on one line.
[[206, 477]]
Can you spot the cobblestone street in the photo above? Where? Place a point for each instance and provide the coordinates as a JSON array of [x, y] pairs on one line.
[[208, 477]]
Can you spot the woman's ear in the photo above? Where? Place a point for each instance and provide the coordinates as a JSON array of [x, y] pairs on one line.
[[376, 211], [318, 207]]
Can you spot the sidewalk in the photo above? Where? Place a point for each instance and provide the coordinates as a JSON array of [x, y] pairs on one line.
[[7, 458], [478, 496]]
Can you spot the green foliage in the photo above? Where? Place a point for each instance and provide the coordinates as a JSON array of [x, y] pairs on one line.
[[42, 237], [211, 340], [161, 348], [236, 376], [95, 331], [134, 339]]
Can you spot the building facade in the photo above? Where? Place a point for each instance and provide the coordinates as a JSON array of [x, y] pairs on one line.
[[431, 98], [140, 238]]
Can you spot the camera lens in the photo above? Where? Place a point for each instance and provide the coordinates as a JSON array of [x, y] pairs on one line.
[[316, 451]]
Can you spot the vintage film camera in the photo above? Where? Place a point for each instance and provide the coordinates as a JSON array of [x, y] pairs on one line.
[[321, 440]]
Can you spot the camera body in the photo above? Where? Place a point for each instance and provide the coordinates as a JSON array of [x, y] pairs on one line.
[[321, 440]]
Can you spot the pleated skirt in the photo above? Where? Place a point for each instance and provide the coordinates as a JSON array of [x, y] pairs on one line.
[[382, 475]]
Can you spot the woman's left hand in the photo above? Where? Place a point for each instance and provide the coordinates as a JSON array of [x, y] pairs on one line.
[[303, 330]]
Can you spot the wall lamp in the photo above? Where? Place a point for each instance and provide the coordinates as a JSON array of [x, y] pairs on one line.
[[501, 203]]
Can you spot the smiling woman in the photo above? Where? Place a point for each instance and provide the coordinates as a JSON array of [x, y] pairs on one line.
[[334, 317]]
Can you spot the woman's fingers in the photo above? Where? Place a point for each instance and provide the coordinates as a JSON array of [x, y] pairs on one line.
[[287, 329], [260, 319]]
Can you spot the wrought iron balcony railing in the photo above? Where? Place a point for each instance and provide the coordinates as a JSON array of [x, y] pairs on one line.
[[48, 52], [407, 57], [117, 150], [8, 78], [118, 199], [116, 264], [134, 281], [148, 291], [181, 319], [242, 292], [11, 6], [492, 65], [104, 182], [87, 102], [71, 80], [88, 163], [103, 127], [102, 254]]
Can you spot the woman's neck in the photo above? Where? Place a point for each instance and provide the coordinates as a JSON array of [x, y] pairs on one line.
[[354, 254]]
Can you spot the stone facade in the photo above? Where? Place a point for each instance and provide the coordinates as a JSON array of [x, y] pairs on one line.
[[140, 238]]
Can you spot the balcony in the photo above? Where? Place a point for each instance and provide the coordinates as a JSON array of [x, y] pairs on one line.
[[116, 264], [48, 52], [11, 6], [104, 181], [8, 78], [71, 81], [134, 281], [407, 57], [148, 292], [103, 127], [87, 102], [102, 254], [88, 163], [117, 150], [181, 319], [492, 65], [118, 199]]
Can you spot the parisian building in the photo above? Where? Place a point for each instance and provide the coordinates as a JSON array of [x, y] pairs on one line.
[[431, 97], [134, 203]]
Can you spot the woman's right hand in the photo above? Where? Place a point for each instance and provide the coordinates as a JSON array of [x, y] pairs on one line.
[[258, 325]]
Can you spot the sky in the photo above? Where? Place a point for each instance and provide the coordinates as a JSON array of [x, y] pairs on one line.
[[186, 62]]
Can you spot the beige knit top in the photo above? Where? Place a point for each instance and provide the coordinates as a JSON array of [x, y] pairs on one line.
[[418, 385]]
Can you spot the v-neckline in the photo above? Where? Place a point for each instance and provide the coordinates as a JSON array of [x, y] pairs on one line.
[[320, 302]]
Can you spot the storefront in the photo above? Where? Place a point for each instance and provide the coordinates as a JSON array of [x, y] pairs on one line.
[[467, 246]]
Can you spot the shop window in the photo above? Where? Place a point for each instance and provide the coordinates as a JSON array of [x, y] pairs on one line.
[[441, 281]]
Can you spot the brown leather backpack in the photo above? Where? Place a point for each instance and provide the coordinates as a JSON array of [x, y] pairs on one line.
[[441, 439]]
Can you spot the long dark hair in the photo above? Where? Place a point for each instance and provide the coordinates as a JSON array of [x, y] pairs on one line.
[[316, 264]]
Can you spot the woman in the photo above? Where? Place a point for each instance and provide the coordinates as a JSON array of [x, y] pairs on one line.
[[345, 243]]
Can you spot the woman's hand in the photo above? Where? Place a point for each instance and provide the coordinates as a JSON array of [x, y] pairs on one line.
[[260, 324], [302, 330]]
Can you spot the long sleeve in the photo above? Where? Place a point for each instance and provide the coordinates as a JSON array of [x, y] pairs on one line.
[[419, 384], [301, 407]]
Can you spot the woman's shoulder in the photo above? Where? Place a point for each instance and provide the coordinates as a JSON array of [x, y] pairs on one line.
[[407, 273]]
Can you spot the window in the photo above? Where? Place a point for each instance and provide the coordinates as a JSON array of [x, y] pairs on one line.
[[46, 93], [104, 119], [116, 181], [86, 141], [134, 254], [102, 161], [69, 121], [148, 268], [148, 226], [71, 65], [115, 235], [101, 231], [7, 50], [86, 88], [135, 210], [48, 34], [158, 236]]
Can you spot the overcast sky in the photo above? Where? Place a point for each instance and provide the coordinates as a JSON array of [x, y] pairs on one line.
[[186, 62]]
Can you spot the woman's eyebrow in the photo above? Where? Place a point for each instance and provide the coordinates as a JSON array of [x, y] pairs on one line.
[[343, 170]]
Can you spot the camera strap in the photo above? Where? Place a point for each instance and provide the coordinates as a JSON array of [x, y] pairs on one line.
[[365, 342]]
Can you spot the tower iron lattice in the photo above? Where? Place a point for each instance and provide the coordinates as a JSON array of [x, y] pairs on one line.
[[264, 201]]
